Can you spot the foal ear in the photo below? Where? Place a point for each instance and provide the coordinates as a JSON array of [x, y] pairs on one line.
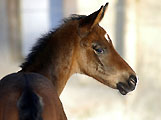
[[90, 21]]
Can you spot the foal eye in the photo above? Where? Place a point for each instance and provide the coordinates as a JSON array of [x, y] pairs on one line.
[[98, 50]]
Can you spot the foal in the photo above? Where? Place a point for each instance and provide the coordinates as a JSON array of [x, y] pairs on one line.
[[77, 46]]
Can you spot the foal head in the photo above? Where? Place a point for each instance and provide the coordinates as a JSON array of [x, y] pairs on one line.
[[97, 57]]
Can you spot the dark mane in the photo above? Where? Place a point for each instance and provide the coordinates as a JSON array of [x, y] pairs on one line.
[[42, 42]]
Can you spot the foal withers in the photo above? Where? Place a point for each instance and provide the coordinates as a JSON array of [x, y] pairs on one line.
[[77, 46]]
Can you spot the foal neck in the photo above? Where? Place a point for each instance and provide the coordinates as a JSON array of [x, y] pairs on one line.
[[54, 56]]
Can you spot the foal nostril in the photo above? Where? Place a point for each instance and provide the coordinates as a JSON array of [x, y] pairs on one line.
[[133, 78], [132, 81]]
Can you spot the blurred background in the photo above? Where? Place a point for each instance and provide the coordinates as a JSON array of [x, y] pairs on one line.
[[134, 27]]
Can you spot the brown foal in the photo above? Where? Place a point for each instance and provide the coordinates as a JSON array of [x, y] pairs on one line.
[[79, 45]]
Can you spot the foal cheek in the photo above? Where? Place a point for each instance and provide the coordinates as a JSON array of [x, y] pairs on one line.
[[107, 65]]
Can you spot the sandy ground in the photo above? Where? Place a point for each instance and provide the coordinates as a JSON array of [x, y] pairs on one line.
[[85, 98]]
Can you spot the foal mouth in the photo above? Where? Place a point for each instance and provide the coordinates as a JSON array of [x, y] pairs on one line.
[[124, 88]]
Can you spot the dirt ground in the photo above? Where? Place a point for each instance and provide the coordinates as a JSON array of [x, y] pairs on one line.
[[84, 98]]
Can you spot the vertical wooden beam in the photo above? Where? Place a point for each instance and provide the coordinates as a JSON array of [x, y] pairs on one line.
[[131, 33], [4, 48], [56, 12], [120, 26], [14, 23]]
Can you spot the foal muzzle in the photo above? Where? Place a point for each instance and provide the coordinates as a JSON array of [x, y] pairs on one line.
[[130, 85]]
